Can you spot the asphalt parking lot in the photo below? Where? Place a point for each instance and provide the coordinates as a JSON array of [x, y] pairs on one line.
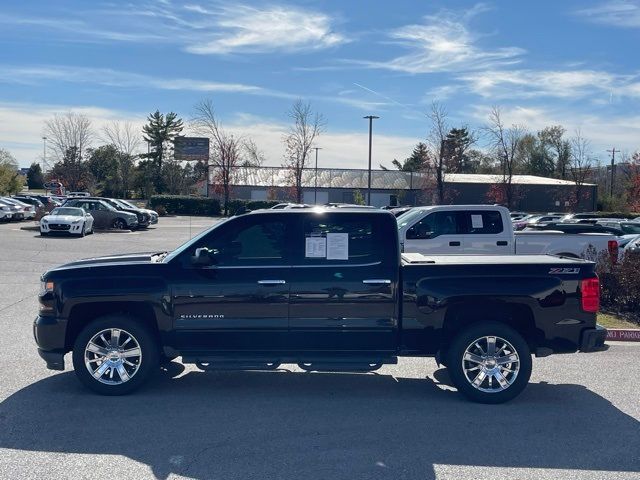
[[578, 419]]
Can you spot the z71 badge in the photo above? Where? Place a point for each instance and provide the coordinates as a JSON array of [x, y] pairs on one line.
[[564, 271]]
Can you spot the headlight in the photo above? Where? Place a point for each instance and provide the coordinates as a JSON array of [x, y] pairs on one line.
[[44, 220], [46, 287], [76, 222]]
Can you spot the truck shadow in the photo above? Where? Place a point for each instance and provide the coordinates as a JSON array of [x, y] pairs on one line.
[[300, 425]]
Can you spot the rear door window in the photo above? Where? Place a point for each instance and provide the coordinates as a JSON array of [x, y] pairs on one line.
[[342, 239], [482, 222]]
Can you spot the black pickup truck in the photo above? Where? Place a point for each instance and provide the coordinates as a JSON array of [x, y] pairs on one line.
[[326, 289]]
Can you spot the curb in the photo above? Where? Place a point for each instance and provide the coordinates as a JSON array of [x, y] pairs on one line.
[[623, 335]]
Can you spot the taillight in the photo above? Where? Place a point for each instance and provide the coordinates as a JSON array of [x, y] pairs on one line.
[[612, 246], [590, 294]]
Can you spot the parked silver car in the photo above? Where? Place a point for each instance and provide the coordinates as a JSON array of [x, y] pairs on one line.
[[104, 215]]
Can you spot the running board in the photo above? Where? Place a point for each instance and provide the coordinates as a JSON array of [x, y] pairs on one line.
[[225, 363], [323, 364], [345, 364]]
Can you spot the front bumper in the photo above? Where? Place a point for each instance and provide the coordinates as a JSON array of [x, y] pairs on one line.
[[593, 339], [49, 334]]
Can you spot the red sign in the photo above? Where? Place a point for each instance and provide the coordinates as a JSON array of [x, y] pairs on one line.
[[624, 335]]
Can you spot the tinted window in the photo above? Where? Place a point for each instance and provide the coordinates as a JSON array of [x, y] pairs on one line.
[[483, 222], [363, 240], [436, 224], [247, 242]]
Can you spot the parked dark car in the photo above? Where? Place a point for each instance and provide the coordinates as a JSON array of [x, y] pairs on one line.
[[326, 289], [143, 218]]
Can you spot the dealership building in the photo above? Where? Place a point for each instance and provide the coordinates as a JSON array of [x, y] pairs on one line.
[[388, 187]]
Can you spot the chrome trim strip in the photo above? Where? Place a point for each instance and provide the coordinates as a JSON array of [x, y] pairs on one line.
[[377, 281]]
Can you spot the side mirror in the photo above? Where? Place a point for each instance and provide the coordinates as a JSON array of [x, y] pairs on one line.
[[202, 257]]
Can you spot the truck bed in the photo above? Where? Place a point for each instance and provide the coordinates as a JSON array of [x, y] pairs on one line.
[[420, 259]]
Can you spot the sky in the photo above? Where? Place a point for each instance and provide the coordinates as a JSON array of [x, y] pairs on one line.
[[543, 63]]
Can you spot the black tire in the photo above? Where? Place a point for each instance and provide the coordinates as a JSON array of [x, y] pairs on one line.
[[465, 339], [83, 233], [147, 365], [43, 234], [119, 224]]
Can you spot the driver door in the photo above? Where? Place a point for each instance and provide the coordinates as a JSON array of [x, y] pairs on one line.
[[439, 233], [240, 301]]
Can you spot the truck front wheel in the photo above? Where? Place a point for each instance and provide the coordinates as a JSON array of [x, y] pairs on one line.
[[114, 355], [489, 362]]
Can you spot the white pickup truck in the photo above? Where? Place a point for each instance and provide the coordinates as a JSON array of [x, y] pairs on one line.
[[487, 230]]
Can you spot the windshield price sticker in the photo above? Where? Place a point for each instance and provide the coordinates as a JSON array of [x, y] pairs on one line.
[[315, 247], [337, 246], [476, 221]]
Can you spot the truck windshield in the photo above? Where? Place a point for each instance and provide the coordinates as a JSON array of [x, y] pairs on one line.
[[630, 228], [195, 239], [409, 217]]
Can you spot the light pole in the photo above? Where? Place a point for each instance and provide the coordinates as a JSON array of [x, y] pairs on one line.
[[613, 166], [315, 188], [371, 118], [44, 154]]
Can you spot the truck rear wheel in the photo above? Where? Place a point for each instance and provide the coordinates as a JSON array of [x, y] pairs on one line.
[[489, 362], [114, 355]]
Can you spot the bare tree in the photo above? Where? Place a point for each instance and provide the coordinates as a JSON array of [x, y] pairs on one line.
[[436, 145], [253, 156], [68, 130], [505, 142], [225, 154], [580, 164], [125, 136], [298, 142]]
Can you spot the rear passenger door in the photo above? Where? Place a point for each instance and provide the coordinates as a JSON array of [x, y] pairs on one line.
[[344, 284], [485, 233], [439, 233]]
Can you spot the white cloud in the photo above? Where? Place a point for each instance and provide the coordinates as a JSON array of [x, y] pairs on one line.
[[241, 28], [603, 132], [536, 83], [114, 78], [219, 29], [341, 149], [444, 42], [614, 13], [40, 74]]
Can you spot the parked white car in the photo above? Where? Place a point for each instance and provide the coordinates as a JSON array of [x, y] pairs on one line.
[[488, 230], [28, 211], [69, 220]]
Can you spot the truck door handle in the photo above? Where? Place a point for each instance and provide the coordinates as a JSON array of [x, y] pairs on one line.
[[454, 244], [377, 281], [502, 243], [272, 282]]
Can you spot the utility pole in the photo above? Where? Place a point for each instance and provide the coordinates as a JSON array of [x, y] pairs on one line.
[[613, 167], [371, 119], [315, 188]]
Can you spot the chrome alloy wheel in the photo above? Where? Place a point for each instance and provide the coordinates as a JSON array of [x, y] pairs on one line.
[[490, 364], [113, 356]]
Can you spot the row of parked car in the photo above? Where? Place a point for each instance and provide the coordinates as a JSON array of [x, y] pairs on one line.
[[76, 215], [82, 215], [626, 230]]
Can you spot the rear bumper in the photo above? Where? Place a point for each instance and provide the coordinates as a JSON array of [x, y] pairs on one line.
[[592, 339]]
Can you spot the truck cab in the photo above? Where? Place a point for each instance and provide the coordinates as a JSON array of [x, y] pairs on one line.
[[457, 229]]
